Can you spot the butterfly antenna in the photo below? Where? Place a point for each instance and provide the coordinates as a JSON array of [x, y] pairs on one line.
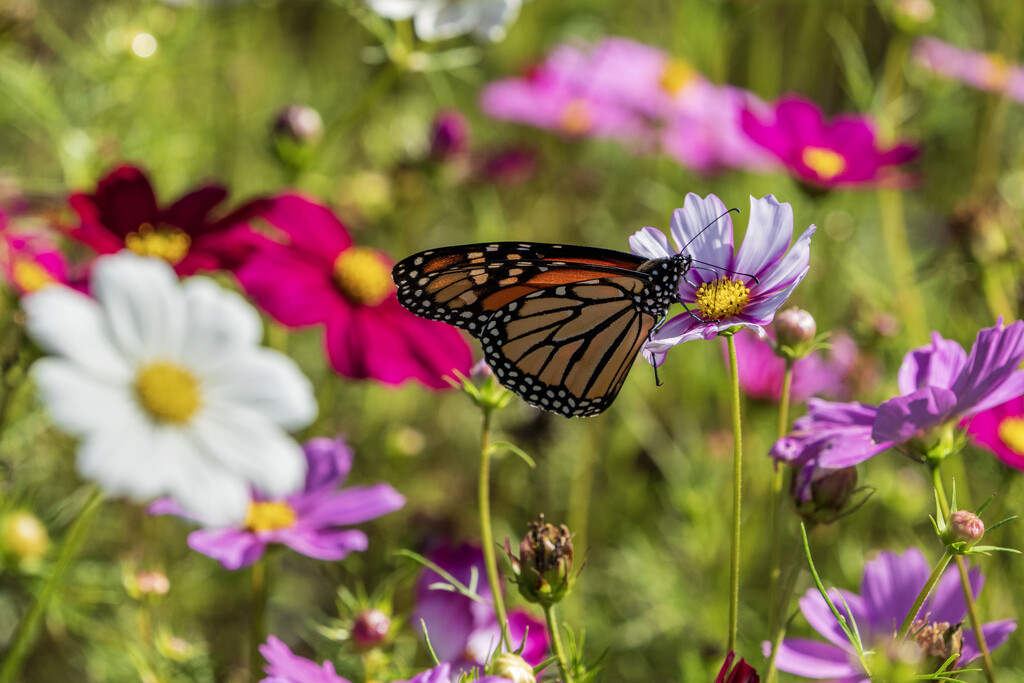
[[705, 228], [712, 267]]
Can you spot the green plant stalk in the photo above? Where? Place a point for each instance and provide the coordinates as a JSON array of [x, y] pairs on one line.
[[28, 627], [965, 583], [556, 643], [259, 617], [929, 584], [737, 492], [787, 594], [486, 535], [776, 605]]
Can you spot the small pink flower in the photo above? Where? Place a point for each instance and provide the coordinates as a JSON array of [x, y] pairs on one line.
[[29, 259], [844, 152], [1001, 430], [989, 72], [319, 277], [123, 213], [761, 371], [284, 666]]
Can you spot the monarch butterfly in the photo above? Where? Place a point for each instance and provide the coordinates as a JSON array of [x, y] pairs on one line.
[[560, 325]]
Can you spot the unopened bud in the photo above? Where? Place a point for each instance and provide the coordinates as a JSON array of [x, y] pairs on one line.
[[296, 132], [822, 495], [513, 667], [371, 628], [449, 135], [963, 526], [152, 583], [544, 568], [795, 329], [23, 536]]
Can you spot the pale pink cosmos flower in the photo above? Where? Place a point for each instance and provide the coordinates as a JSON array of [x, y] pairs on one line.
[[985, 71]]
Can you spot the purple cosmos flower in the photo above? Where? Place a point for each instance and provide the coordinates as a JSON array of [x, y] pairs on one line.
[[283, 666], [731, 300], [841, 153], [990, 72], [889, 587], [307, 522], [465, 632], [1001, 430], [831, 435], [442, 673], [761, 371]]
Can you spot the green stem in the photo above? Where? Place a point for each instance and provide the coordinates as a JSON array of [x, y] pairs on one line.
[[780, 633], [486, 536], [556, 643], [259, 611], [737, 492], [929, 584], [28, 627], [778, 607], [965, 583]]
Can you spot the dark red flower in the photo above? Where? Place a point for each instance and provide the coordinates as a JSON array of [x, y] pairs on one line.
[[743, 673], [123, 213]]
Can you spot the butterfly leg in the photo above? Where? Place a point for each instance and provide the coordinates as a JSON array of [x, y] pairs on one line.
[[650, 335]]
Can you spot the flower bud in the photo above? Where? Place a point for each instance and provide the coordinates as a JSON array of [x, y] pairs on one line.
[[370, 628], [513, 667], [741, 673], [822, 495], [449, 135], [544, 567], [296, 132], [795, 330], [963, 527], [23, 536]]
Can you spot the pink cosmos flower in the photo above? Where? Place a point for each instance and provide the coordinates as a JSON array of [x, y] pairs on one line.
[[761, 371], [123, 212], [309, 522], [1001, 430], [317, 276], [284, 666], [30, 260], [464, 632], [989, 72], [721, 303], [844, 152]]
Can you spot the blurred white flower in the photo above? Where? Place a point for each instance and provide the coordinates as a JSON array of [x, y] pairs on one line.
[[168, 389], [441, 19]]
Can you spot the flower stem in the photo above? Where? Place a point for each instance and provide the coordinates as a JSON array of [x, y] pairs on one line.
[[737, 492], [486, 536], [929, 584], [776, 605], [780, 633], [556, 643], [258, 623], [965, 583], [28, 627]]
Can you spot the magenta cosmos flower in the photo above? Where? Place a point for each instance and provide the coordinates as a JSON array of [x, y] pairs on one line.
[[940, 385], [843, 152], [741, 673], [309, 522], [732, 300], [761, 370], [888, 589], [29, 259], [1001, 430], [464, 632], [985, 71], [123, 213], [317, 276]]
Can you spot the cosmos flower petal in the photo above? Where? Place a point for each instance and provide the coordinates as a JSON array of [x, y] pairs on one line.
[[947, 603], [328, 545], [901, 418], [77, 401], [269, 384], [650, 243], [221, 321], [234, 549], [791, 269], [356, 504], [818, 614], [812, 659], [938, 364], [286, 666], [890, 584], [714, 245], [311, 227], [996, 633], [768, 236], [996, 352], [396, 9], [330, 461], [493, 18]]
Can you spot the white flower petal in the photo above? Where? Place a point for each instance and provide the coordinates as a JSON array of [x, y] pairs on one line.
[[144, 305], [714, 245], [70, 324], [443, 20], [220, 323], [245, 442], [494, 17], [769, 232], [396, 9], [266, 382], [650, 243], [80, 403]]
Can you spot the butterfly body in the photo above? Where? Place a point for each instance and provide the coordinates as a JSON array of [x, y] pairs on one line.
[[559, 325]]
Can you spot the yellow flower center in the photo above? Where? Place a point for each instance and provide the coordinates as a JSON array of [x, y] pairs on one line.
[[30, 276], [577, 118], [997, 72], [722, 298], [826, 163], [1011, 433], [165, 242], [269, 516], [362, 277], [169, 392], [677, 75]]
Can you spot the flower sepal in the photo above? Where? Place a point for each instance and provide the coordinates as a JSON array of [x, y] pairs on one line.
[[482, 387]]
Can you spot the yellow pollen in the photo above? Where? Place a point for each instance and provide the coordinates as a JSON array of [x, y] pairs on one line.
[[677, 75], [165, 242], [1011, 433], [169, 392], [361, 276], [269, 516], [577, 118], [996, 74], [722, 298], [825, 162], [30, 276]]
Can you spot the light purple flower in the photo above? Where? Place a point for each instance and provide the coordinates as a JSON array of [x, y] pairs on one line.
[[720, 303], [831, 435], [283, 666], [442, 673], [462, 631], [990, 72], [308, 522], [890, 584]]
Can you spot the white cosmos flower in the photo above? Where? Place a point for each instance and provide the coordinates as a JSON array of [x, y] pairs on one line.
[[442, 19], [168, 389]]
